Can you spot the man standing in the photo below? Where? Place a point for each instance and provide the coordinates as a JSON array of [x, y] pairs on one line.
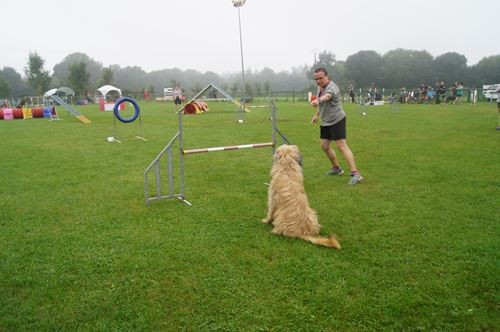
[[177, 96], [441, 91], [350, 90], [333, 125]]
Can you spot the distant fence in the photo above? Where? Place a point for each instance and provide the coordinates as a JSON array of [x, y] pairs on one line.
[[302, 96], [288, 96], [279, 96], [469, 95]]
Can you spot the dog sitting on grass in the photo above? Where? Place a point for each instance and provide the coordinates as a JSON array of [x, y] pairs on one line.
[[288, 207]]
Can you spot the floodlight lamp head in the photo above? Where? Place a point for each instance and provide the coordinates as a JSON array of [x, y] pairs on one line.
[[238, 3]]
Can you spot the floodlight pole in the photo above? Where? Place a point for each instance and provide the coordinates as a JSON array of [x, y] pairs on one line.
[[243, 87]]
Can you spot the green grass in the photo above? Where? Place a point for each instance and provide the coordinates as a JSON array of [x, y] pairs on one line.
[[79, 250]]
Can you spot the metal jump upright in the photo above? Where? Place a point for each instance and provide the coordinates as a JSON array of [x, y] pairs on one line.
[[168, 154]]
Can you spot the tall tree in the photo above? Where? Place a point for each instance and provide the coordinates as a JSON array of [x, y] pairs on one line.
[[234, 88], [210, 77], [258, 88], [61, 70], [18, 86], [267, 86], [340, 74], [38, 78], [79, 78], [196, 88], [408, 68], [365, 68], [326, 59], [449, 67], [131, 78], [4, 87], [488, 70], [107, 77]]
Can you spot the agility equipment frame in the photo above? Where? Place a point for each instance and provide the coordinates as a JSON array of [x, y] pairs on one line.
[[168, 151], [240, 110], [116, 115]]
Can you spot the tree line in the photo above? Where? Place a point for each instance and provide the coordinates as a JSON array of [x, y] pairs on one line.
[[365, 69]]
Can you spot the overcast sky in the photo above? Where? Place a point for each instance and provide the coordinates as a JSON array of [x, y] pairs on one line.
[[203, 34]]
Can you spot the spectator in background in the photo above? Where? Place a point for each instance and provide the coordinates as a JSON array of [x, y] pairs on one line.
[[460, 92], [177, 96], [453, 96], [441, 92], [147, 95], [402, 95], [423, 93], [350, 90], [430, 94]]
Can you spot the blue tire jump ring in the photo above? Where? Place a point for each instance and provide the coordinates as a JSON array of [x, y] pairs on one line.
[[117, 112]]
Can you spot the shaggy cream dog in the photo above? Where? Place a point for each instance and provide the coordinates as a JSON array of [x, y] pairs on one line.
[[288, 207]]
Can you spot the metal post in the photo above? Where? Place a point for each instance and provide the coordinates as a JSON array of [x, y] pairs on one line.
[[273, 122], [243, 86], [181, 154], [158, 178], [115, 136], [170, 172]]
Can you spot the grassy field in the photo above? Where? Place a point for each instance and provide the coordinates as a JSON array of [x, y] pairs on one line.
[[79, 250]]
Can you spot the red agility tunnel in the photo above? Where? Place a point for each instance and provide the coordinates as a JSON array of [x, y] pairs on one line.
[[17, 113], [37, 112], [195, 107]]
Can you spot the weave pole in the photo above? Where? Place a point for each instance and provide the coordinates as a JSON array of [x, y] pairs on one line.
[[227, 148]]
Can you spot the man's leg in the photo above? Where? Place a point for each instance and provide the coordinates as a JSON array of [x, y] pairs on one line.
[[327, 149], [347, 153], [349, 157]]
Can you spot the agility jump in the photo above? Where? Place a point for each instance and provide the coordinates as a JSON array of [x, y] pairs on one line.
[[226, 148], [167, 153], [117, 116]]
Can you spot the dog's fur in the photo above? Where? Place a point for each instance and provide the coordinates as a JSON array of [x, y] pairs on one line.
[[288, 206]]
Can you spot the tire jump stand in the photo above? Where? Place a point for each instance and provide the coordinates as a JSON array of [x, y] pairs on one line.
[[117, 115]]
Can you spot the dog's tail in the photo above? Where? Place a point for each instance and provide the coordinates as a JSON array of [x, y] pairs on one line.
[[330, 242]]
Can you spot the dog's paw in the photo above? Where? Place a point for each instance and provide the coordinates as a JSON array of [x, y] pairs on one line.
[[266, 221]]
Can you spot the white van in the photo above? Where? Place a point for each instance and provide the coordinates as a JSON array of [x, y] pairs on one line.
[[168, 94], [489, 91]]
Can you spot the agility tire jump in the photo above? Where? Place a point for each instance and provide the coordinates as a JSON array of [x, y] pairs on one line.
[[116, 110]]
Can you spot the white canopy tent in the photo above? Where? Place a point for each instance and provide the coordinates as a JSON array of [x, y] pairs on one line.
[[60, 91], [50, 93], [104, 91]]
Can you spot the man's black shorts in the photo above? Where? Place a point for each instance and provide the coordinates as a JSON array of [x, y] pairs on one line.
[[334, 132]]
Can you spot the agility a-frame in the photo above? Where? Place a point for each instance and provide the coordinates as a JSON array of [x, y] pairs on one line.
[[211, 89], [166, 157]]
